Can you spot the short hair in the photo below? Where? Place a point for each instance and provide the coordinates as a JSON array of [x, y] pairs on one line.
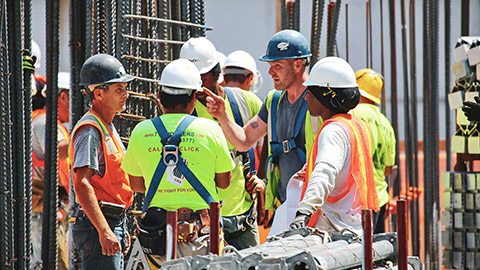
[[240, 78], [171, 101]]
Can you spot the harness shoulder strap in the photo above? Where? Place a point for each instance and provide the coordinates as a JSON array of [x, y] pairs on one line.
[[233, 104], [274, 109]]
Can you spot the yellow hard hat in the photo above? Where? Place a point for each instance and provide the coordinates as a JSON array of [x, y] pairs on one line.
[[370, 84]]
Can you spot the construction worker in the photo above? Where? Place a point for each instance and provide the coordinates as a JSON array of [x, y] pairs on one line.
[[339, 182], [38, 173], [238, 211], [182, 160], [240, 70], [284, 115], [102, 188], [370, 84]]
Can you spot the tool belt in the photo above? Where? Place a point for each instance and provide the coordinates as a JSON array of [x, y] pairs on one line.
[[192, 224], [152, 228]]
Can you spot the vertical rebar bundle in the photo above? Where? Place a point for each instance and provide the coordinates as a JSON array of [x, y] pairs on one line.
[[28, 129], [15, 26], [414, 133], [6, 173], [50, 192], [333, 25], [317, 18]]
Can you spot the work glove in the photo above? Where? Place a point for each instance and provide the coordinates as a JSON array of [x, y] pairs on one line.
[[254, 184], [29, 62], [472, 109], [301, 220]]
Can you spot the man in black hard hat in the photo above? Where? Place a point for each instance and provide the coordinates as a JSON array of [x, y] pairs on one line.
[[101, 186]]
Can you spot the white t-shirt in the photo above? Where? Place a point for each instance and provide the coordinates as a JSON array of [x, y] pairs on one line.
[[329, 177]]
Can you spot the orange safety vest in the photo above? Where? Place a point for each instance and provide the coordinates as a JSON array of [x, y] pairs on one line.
[[114, 186], [361, 163], [63, 165]]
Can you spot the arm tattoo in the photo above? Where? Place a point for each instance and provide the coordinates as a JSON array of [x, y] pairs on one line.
[[254, 124]]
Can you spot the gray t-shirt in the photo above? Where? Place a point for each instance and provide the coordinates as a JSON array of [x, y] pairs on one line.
[[88, 149], [288, 163]]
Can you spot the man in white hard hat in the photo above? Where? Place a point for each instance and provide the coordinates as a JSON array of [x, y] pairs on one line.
[[238, 210], [38, 168], [339, 182], [284, 116], [240, 70], [158, 153]]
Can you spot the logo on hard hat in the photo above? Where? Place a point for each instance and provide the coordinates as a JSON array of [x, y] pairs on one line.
[[282, 46], [122, 70], [193, 60]]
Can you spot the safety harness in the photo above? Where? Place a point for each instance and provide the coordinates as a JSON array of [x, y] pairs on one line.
[[287, 145], [171, 156]]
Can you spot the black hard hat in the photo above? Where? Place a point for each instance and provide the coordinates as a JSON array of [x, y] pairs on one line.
[[102, 69]]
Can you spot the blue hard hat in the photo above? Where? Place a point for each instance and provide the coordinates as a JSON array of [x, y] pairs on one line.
[[286, 44]]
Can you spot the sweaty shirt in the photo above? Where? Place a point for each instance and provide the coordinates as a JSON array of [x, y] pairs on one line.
[[236, 199], [204, 148], [383, 142], [288, 163]]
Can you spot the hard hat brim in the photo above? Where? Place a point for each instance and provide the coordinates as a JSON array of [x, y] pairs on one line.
[[267, 58], [370, 97], [123, 79]]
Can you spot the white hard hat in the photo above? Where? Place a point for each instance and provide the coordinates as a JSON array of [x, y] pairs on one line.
[[180, 77], [37, 53], [241, 59], [63, 80], [332, 72], [201, 52]]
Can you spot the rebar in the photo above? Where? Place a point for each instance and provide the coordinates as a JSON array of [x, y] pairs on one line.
[[168, 21], [413, 87], [447, 19], [28, 76], [367, 35], [333, 31], [393, 89], [317, 19], [6, 174], [465, 15], [382, 60], [15, 28], [50, 199]]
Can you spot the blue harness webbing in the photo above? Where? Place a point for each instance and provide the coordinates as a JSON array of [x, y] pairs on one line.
[[287, 145], [170, 153]]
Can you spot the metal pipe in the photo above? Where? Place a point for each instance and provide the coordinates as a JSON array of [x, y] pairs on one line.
[[215, 228], [402, 243], [367, 240], [171, 237]]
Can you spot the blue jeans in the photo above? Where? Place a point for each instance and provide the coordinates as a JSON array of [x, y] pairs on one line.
[[86, 241]]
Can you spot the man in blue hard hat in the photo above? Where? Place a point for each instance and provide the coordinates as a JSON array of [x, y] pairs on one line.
[[284, 116]]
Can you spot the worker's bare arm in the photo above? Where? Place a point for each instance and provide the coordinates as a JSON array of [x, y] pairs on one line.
[[137, 183], [241, 138], [222, 180]]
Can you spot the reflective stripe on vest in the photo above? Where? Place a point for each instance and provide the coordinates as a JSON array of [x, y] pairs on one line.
[[173, 154], [240, 108], [63, 165], [361, 163], [114, 186]]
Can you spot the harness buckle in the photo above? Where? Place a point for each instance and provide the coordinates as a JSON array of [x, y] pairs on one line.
[[170, 154], [286, 146]]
